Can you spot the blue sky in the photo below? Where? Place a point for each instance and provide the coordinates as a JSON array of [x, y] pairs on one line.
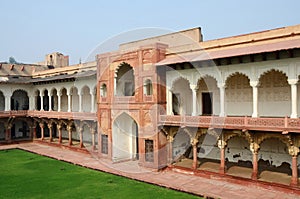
[[30, 29]]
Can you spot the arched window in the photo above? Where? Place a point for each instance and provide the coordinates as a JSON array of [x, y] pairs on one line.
[[124, 81], [148, 87], [103, 90]]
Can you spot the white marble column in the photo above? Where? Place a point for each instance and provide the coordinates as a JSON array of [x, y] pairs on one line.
[[32, 102], [169, 102], [254, 85], [194, 104], [93, 102], [221, 86], [80, 102], [7, 101], [69, 101], [293, 83], [50, 102], [42, 102], [59, 102]]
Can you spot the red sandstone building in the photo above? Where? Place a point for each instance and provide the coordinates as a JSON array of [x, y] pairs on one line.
[[229, 106]]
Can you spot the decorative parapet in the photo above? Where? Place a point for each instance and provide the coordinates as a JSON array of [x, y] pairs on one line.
[[284, 124]]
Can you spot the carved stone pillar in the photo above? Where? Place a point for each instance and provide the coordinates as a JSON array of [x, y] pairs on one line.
[[170, 149], [80, 102], [92, 101], [59, 102], [293, 151], [169, 102], [221, 87], [50, 102], [59, 128], [42, 102], [42, 130], [69, 129], [222, 145], [254, 85], [293, 83], [80, 130], [69, 101], [50, 132], [194, 143], [8, 132], [194, 92], [254, 147]]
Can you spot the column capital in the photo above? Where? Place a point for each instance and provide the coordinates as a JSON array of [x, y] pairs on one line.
[[221, 144], [254, 83], [193, 87], [49, 125], [293, 151], [293, 81], [69, 128], [194, 141], [254, 147], [170, 138], [221, 85]]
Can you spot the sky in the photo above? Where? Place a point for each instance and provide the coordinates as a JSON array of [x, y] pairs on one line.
[[33, 28]]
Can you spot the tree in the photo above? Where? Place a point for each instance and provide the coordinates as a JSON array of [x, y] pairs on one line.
[[12, 60]]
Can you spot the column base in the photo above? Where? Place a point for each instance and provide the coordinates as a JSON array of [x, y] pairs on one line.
[[222, 170], [254, 176], [294, 182]]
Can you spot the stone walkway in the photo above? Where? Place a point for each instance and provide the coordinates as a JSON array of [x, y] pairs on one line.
[[216, 187]]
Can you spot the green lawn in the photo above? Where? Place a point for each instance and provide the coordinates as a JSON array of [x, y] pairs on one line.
[[27, 175]]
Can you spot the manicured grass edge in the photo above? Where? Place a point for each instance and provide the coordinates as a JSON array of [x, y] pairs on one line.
[[69, 162]]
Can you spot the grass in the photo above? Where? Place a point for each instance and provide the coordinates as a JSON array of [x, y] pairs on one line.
[[28, 175]]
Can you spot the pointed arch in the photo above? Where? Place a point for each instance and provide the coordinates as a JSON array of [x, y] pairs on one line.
[[181, 96], [274, 93], [2, 101], [238, 92], [124, 80], [86, 99], [19, 100], [125, 138]]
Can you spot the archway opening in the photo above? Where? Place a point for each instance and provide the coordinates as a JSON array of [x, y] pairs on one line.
[[19, 100], [274, 164], [125, 138], [86, 99], [182, 94], [238, 157], [124, 80], [274, 93], [238, 93], [208, 96]]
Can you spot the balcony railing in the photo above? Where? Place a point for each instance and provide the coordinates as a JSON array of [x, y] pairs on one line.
[[50, 114], [283, 124]]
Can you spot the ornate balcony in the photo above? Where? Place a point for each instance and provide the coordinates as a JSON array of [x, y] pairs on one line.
[[283, 125], [50, 114]]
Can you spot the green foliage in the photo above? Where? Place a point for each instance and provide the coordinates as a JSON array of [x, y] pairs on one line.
[[27, 175], [12, 60]]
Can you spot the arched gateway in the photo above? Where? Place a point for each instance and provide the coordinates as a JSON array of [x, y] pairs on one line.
[[125, 138]]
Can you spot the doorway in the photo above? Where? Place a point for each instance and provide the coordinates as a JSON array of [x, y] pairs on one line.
[[207, 98]]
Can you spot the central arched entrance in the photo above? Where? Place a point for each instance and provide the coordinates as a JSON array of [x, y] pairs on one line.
[[125, 138]]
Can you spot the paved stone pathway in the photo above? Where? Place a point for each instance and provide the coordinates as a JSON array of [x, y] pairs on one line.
[[215, 187]]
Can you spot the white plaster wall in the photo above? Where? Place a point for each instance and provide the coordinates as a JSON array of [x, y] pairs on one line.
[[298, 99], [275, 151], [2, 101], [208, 147], [238, 149], [180, 144]]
